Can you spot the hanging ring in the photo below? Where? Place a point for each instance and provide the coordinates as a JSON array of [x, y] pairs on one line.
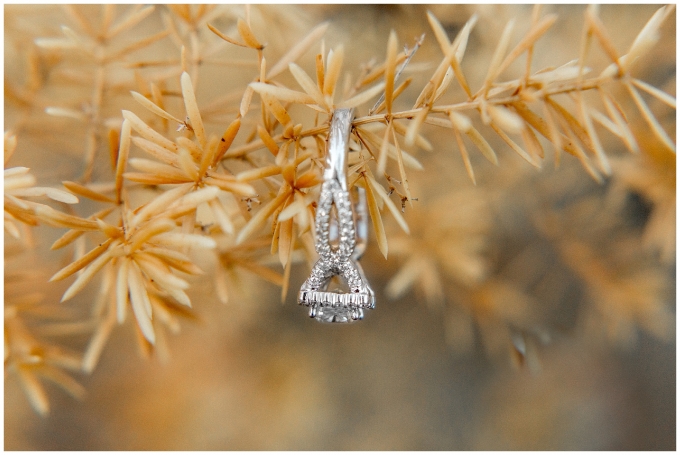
[[340, 240]]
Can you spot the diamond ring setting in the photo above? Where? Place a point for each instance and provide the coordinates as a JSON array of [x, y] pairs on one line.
[[340, 240]]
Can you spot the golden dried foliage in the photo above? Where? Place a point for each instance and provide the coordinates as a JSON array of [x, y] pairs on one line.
[[188, 157]]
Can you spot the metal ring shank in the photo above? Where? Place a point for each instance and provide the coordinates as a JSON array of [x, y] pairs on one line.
[[338, 146], [336, 164]]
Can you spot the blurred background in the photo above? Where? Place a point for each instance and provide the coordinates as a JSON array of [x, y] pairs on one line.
[[531, 311]]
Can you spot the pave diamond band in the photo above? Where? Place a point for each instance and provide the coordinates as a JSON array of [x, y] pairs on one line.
[[340, 237]]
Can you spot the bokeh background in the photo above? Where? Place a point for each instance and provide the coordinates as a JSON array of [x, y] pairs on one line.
[[562, 338]]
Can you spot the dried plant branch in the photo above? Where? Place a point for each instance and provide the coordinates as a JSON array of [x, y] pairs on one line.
[[170, 192]]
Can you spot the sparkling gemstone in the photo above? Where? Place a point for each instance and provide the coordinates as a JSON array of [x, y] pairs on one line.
[[337, 314]]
